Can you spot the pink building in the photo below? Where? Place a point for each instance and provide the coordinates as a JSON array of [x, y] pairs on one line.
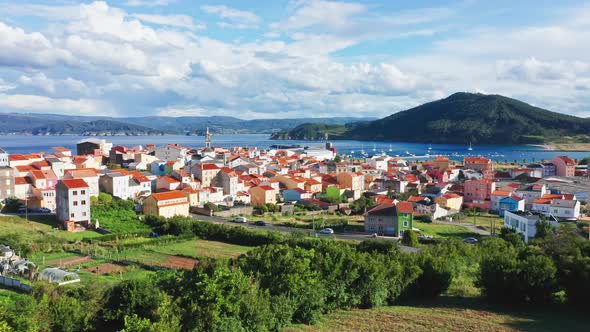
[[564, 166], [478, 193]]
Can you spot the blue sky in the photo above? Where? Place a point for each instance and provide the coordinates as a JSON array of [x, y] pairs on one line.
[[284, 59]]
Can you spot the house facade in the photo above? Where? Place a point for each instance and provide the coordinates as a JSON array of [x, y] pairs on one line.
[[511, 203], [524, 223], [389, 219], [262, 195], [564, 166], [167, 204], [73, 203]]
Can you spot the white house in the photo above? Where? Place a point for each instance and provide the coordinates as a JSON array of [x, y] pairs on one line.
[[565, 208], [524, 223]]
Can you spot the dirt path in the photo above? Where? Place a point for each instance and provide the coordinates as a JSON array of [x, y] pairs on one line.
[[69, 261], [177, 262], [105, 268]]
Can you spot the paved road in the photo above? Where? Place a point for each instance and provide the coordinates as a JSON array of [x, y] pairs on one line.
[[283, 229]]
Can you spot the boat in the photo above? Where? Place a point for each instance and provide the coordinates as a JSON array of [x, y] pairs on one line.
[[429, 147], [470, 148], [390, 149], [374, 148]]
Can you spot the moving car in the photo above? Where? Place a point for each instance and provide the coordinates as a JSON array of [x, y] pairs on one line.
[[242, 220], [326, 231], [260, 223]]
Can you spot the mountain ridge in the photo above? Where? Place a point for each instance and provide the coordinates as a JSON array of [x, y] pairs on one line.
[[461, 118], [56, 124]]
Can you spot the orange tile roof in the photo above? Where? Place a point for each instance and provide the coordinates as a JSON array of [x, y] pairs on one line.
[[169, 179], [168, 195], [501, 193], [74, 183], [405, 207]]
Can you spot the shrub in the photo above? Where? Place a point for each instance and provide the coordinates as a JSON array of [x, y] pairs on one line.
[[410, 239]]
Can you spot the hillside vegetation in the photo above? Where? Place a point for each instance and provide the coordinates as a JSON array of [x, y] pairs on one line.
[[462, 118]]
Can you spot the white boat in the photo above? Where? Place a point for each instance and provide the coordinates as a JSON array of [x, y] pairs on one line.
[[374, 148], [390, 149], [470, 148], [429, 147]]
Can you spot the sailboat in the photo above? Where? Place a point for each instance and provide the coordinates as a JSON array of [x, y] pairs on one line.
[[429, 147], [469, 148], [390, 149], [363, 153], [374, 148]]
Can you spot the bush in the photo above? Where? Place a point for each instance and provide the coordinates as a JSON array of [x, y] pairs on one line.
[[410, 239]]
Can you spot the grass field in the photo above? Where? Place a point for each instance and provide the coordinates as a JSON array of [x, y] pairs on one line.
[[450, 314], [38, 227], [484, 221], [444, 230], [201, 248]]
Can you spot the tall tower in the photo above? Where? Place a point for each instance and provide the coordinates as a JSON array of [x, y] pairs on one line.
[[208, 139]]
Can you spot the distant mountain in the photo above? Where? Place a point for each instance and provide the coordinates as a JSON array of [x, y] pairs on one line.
[[54, 124], [461, 118], [23, 124]]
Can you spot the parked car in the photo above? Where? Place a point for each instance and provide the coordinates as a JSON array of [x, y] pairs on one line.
[[241, 220], [374, 235], [326, 231], [22, 209], [44, 210], [260, 223], [471, 240]]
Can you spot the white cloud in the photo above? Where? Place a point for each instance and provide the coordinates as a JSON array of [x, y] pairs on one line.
[[180, 21], [21, 49], [6, 86], [319, 12], [40, 81], [233, 18], [36, 103]]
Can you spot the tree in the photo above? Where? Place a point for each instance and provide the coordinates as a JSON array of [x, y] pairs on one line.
[[362, 205], [544, 229], [337, 158], [410, 239]]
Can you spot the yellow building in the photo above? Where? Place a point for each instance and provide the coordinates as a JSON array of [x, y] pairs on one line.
[[450, 201], [167, 204], [263, 195]]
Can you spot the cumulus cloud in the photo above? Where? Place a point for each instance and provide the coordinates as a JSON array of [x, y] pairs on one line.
[[97, 57]]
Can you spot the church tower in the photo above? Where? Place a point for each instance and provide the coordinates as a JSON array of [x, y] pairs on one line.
[[208, 139]]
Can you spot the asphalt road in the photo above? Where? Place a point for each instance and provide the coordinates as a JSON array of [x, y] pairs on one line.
[[283, 229]]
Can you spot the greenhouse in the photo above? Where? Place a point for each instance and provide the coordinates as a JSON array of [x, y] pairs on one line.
[[58, 276]]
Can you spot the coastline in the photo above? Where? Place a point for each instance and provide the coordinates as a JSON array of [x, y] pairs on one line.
[[564, 147]]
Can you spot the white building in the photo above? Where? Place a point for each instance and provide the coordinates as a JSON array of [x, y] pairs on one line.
[[73, 203], [524, 223], [565, 208]]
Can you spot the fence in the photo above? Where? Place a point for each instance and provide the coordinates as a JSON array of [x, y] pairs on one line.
[[16, 284]]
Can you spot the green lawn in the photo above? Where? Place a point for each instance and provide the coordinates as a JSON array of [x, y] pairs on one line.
[[484, 221], [38, 227], [201, 248], [450, 314], [443, 230]]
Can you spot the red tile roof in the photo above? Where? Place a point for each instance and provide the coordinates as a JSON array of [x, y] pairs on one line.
[[405, 207], [168, 195], [266, 188], [74, 183]]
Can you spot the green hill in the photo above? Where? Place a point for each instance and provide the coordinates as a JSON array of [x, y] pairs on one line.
[[462, 118]]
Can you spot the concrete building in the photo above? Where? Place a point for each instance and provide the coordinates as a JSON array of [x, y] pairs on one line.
[[116, 184], [6, 182], [564, 166], [4, 162], [263, 195], [167, 204], [206, 173], [93, 146], [73, 203], [89, 175], [524, 223]]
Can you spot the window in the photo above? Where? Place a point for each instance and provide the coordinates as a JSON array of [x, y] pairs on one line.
[[72, 215], [83, 214], [75, 192], [83, 192], [75, 203], [405, 224], [83, 202]]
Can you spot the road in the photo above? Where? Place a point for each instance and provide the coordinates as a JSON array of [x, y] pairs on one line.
[[283, 229]]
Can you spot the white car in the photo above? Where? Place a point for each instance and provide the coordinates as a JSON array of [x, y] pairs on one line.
[[241, 220], [326, 231]]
